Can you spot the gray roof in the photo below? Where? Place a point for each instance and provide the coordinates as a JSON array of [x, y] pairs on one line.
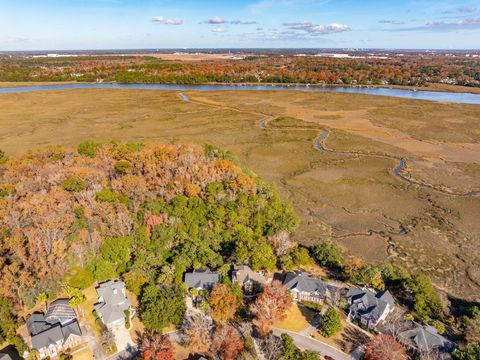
[[204, 279], [56, 325], [9, 353], [427, 338], [114, 302], [243, 274], [372, 305], [302, 282], [60, 311]]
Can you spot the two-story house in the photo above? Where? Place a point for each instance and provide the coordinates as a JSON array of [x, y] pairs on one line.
[[56, 331], [369, 307], [113, 303], [305, 288]]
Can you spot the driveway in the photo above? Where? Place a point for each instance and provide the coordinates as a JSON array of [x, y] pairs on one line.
[[123, 339], [307, 343], [92, 341]]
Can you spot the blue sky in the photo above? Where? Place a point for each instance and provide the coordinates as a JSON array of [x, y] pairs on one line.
[[109, 24]]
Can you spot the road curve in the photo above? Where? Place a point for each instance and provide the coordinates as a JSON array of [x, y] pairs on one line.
[[308, 343]]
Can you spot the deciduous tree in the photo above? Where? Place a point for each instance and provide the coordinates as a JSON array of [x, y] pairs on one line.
[[154, 346], [227, 343], [382, 347], [270, 306], [223, 302]]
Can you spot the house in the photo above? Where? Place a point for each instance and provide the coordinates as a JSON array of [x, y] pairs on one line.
[[305, 288], [112, 304], [9, 353], [201, 279], [369, 307], [426, 340], [56, 331], [248, 279]]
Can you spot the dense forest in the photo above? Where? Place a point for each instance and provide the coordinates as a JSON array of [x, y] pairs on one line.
[[147, 212], [396, 70]]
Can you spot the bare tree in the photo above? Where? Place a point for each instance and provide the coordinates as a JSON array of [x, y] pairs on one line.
[[271, 347]]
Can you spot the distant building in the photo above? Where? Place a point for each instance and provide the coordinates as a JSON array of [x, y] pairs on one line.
[[112, 304], [305, 288], [369, 307], [248, 279], [426, 340], [201, 279], [56, 331]]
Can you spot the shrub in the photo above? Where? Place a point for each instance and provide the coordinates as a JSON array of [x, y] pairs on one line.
[[89, 148], [331, 324], [74, 184], [312, 306], [3, 157], [123, 166], [328, 254]]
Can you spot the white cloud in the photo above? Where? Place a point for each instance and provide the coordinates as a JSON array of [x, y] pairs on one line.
[[316, 29], [462, 10], [392, 22], [219, 30], [218, 20], [165, 21]]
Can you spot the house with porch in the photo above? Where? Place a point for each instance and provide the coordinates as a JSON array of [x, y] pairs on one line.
[[368, 307], [425, 340], [202, 279], [248, 279], [303, 287], [113, 303], [56, 331]]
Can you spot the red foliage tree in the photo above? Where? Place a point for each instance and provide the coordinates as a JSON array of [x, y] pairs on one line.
[[382, 347], [154, 346], [226, 342], [271, 306]]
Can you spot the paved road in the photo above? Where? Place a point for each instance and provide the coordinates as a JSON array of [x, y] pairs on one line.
[[307, 343]]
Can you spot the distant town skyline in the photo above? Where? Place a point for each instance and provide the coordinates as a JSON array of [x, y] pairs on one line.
[[152, 24]]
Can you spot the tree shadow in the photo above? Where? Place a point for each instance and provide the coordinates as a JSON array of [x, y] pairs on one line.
[[352, 338]]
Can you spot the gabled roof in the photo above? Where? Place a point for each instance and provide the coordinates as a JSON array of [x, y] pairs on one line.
[[56, 325], [60, 311], [301, 281], [112, 292], [114, 302], [244, 273], [372, 305], [9, 353], [427, 338], [201, 279]]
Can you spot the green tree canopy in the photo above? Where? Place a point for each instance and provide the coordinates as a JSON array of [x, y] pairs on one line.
[[328, 254], [331, 324], [161, 306]]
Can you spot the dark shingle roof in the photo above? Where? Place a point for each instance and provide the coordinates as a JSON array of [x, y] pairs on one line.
[[373, 305], [302, 282], [244, 273], [57, 324], [204, 279], [427, 338]]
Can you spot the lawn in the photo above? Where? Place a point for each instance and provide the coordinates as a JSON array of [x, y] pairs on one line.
[[296, 320], [88, 307], [84, 354], [346, 340]]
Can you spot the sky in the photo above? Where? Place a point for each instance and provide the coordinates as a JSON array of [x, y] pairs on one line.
[[161, 24]]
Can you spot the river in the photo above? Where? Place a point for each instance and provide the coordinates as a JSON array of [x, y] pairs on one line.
[[463, 98]]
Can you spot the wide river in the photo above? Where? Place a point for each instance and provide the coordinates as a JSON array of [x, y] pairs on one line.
[[463, 98]]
